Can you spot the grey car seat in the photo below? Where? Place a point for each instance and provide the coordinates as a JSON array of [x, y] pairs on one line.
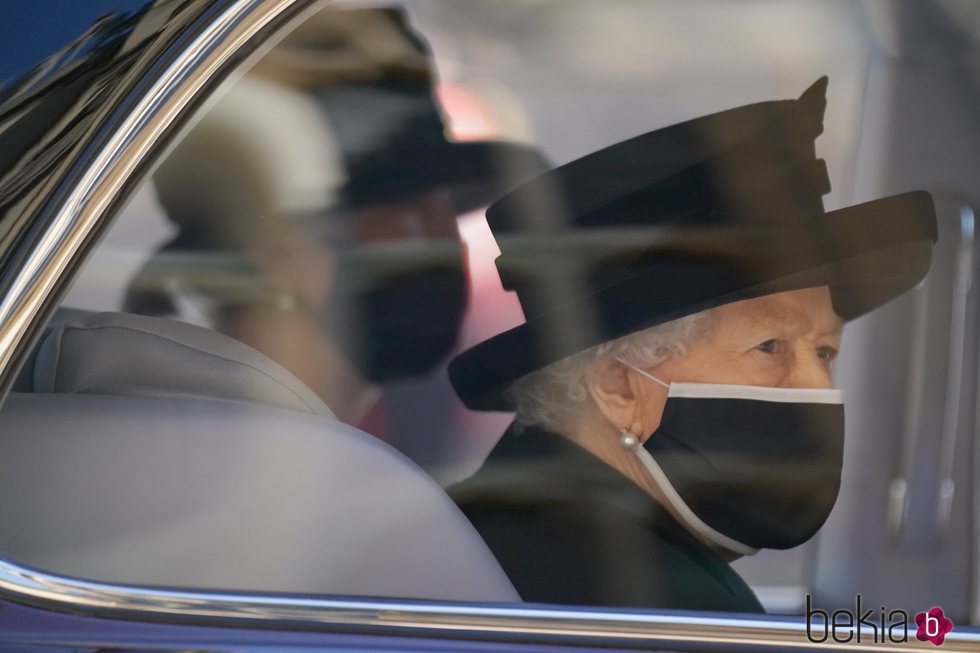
[[144, 451]]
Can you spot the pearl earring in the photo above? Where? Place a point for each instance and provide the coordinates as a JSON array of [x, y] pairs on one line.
[[628, 440]]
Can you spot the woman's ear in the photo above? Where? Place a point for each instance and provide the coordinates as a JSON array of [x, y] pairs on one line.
[[624, 397], [608, 383]]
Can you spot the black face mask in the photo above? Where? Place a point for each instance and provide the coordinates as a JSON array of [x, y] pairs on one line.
[[395, 321], [748, 467]]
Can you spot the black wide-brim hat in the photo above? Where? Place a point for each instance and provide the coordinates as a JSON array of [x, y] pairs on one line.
[[679, 220], [408, 153], [388, 122]]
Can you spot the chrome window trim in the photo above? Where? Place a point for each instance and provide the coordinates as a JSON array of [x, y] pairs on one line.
[[429, 618], [107, 179], [956, 371], [974, 444]]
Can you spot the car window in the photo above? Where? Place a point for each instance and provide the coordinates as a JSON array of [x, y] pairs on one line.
[[551, 302]]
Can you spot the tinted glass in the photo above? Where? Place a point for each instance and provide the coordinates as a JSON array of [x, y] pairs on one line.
[[324, 226]]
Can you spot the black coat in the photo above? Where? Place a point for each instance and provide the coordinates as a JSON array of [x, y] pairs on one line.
[[567, 528]]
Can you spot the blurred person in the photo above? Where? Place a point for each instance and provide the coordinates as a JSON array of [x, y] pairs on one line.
[[316, 207], [684, 294]]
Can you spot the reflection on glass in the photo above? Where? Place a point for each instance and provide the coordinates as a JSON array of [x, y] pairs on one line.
[[316, 208], [661, 316]]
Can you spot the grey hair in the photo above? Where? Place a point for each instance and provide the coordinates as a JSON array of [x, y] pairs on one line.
[[554, 395]]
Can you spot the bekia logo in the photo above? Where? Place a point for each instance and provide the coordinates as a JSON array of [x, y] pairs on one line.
[[933, 626], [844, 626]]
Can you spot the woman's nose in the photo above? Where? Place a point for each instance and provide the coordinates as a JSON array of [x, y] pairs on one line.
[[810, 371]]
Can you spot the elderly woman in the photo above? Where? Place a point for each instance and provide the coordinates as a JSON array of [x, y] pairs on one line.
[[684, 294]]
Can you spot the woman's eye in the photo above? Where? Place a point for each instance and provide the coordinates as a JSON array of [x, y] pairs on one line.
[[768, 347], [827, 353]]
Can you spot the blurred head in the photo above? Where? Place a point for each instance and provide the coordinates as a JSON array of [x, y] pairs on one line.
[[285, 264], [388, 288], [316, 204]]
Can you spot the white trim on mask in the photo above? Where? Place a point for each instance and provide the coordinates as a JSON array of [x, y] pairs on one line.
[[684, 512], [756, 393]]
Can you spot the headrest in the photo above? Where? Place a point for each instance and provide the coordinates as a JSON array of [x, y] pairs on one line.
[[125, 354]]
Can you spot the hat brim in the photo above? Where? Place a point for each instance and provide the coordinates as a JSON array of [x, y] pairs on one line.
[[867, 254], [475, 173]]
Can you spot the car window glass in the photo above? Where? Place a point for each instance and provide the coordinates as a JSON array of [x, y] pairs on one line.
[[323, 224]]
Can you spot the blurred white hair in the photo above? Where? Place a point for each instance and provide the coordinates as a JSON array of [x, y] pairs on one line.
[[555, 395]]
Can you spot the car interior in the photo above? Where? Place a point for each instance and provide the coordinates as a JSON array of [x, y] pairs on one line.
[[158, 451]]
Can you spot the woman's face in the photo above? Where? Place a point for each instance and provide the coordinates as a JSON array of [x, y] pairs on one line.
[[786, 340]]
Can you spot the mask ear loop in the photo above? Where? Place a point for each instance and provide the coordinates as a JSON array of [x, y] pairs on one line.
[[631, 442], [686, 515], [646, 374]]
